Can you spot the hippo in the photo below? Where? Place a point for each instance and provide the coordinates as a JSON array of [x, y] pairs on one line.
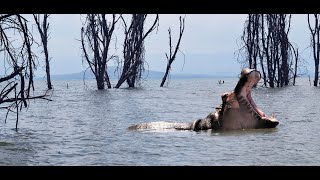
[[238, 111]]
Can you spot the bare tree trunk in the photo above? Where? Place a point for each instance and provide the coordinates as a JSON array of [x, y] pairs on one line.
[[316, 75], [20, 62], [261, 52], [267, 47], [172, 56], [96, 35], [318, 56], [315, 41], [295, 66], [250, 38], [30, 57], [267, 36], [256, 41], [133, 49], [43, 30]]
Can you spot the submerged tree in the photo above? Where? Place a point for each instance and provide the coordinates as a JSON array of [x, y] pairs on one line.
[[172, 55], [133, 49], [43, 26], [19, 64], [315, 43], [250, 38], [266, 37], [96, 35]]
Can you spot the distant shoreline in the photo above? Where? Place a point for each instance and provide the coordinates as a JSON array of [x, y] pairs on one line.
[[148, 74]]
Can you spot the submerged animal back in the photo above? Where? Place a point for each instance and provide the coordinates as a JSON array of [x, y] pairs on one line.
[[161, 125]]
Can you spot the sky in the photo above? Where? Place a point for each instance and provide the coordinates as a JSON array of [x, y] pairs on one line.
[[209, 43]]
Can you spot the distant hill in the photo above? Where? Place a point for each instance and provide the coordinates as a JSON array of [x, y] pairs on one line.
[[113, 74]]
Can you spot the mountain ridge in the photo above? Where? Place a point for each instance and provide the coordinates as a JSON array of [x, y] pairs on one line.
[[147, 74]]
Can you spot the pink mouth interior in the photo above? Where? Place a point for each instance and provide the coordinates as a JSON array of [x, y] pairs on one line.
[[255, 107]]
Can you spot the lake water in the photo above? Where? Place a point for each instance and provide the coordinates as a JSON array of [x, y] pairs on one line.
[[84, 126]]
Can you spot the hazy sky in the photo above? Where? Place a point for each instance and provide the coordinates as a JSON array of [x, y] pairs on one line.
[[209, 42]]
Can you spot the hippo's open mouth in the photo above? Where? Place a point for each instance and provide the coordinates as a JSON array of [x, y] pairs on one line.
[[256, 109], [253, 79]]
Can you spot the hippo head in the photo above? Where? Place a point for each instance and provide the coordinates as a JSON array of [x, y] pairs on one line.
[[240, 111]]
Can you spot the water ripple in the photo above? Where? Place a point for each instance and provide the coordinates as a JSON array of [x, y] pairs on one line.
[[89, 127]]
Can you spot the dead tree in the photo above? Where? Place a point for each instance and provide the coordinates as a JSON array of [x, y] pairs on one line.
[[296, 55], [250, 39], [252, 44], [266, 36], [133, 49], [96, 35], [172, 55], [19, 64], [280, 54], [315, 43], [43, 26]]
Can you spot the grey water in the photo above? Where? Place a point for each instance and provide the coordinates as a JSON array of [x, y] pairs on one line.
[[84, 126]]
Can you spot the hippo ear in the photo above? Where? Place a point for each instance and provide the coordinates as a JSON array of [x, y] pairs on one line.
[[244, 71], [224, 94]]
